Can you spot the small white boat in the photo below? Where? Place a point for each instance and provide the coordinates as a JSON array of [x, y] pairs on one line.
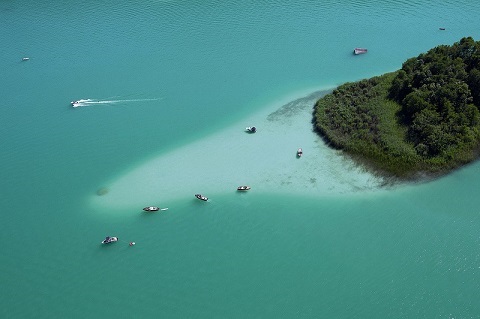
[[251, 129], [201, 197], [109, 240], [243, 188], [299, 152], [151, 209], [358, 51], [25, 59], [80, 102]]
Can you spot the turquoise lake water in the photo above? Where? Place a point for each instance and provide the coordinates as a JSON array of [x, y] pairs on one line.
[[168, 74]]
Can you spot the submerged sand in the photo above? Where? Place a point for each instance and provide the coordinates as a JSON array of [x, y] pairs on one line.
[[266, 161]]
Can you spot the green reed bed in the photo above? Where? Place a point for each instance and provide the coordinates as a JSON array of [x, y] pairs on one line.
[[423, 118]]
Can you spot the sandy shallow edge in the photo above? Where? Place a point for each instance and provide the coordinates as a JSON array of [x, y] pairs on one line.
[[266, 161]]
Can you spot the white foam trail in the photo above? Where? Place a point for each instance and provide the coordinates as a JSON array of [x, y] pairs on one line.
[[100, 102], [89, 102], [138, 100]]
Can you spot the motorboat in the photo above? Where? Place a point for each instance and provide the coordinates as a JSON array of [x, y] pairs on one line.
[[81, 102], [251, 129], [109, 240], [358, 51], [243, 188], [443, 29], [151, 209], [201, 197], [299, 152], [25, 59]]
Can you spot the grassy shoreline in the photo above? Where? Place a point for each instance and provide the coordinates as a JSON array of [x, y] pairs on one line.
[[367, 131], [419, 122]]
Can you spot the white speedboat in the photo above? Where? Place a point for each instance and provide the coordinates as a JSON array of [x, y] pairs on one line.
[[299, 152], [251, 129], [201, 197], [81, 102], [243, 188], [109, 240], [25, 59], [151, 209]]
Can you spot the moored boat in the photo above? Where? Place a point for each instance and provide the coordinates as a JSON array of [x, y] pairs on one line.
[[299, 152], [251, 129], [357, 51], [151, 209], [243, 188], [201, 197], [109, 240]]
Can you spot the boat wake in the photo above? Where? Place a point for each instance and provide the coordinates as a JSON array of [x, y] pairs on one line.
[[91, 102]]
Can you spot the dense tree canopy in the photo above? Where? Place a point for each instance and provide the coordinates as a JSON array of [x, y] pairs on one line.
[[424, 117]]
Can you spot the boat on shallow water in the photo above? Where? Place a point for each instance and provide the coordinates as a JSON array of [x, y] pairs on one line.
[[251, 129], [243, 188], [201, 197], [25, 59], [358, 51], [299, 152], [109, 240], [151, 209]]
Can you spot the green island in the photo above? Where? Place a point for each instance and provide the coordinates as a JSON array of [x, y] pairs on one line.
[[420, 121]]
